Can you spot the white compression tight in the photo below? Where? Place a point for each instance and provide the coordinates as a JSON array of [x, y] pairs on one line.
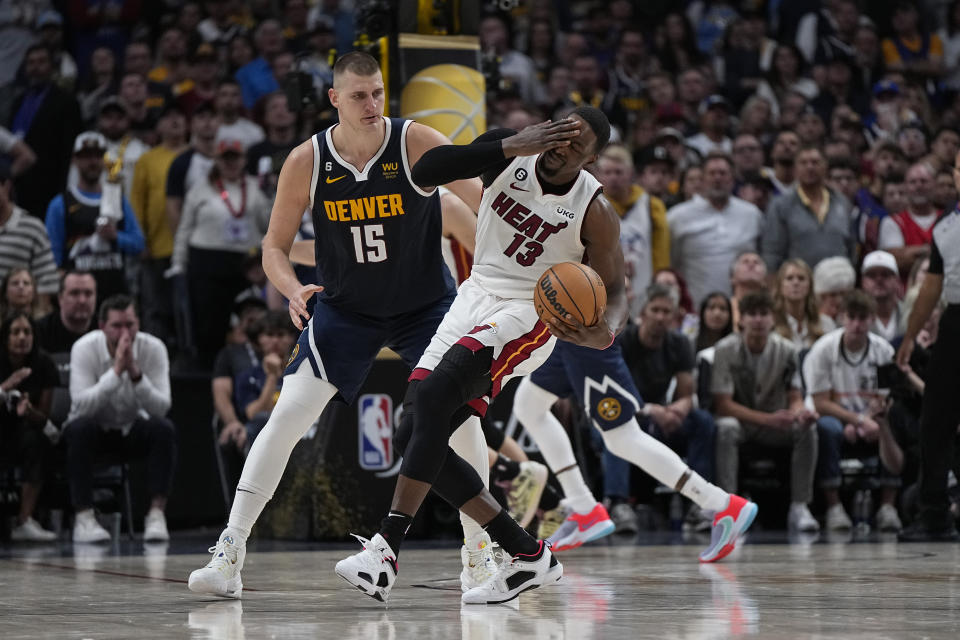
[[302, 399], [532, 407]]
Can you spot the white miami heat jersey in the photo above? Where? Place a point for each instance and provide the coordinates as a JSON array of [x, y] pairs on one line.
[[521, 231]]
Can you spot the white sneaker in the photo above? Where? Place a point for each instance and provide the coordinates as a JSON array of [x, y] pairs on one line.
[[800, 519], [31, 531], [887, 518], [155, 527], [524, 491], [221, 576], [837, 519], [86, 529], [479, 558], [521, 573], [373, 570]]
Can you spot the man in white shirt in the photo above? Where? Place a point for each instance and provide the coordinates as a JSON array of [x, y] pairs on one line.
[[119, 395], [228, 103], [907, 234], [881, 281], [841, 373], [709, 231], [714, 117]]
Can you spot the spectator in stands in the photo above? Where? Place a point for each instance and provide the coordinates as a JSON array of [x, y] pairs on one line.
[[757, 397], [714, 115], [149, 201], [256, 78], [810, 128], [692, 91], [747, 156], [265, 158], [194, 164], [811, 222], [783, 155], [887, 161], [842, 177], [710, 230], [24, 242], [676, 45], [833, 279], [625, 78], [685, 318], [236, 357], [839, 89], [232, 124], [944, 195], [644, 235], [15, 153], [656, 167], [949, 35], [912, 49], [77, 299], [120, 393], [219, 27], [656, 356], [256, 389], [880, 280], [587, 89], [172, 68], [741, 54], [240, 51], [786, 76], [867, 56], [142, 114], [691, 183], [795, 312], [46, 118], [906, 234], [748, 274], [122, 147], [756, 119], [515, 67], [203, 72], [27, 379], [716, 321], [85, 240], [757, 189], [840, 372], [19, 294], [224, 218]]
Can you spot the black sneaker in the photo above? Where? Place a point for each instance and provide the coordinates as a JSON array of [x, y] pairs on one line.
[[927, 528]]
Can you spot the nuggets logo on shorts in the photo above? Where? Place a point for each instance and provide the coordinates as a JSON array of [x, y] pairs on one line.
[[293, 355], [375, 429], [608, 409]]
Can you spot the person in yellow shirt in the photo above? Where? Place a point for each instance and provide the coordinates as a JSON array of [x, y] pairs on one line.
[[644, 234], [910, 49], [149, 200]]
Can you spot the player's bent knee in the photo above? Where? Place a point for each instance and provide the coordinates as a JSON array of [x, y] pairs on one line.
[[401, 437]]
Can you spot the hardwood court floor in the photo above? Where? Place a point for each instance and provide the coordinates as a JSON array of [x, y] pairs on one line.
[[774, 590]]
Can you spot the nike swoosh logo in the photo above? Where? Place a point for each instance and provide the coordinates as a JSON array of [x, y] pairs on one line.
[[513, 185], [589, 523], [332, 180], [727, 523]]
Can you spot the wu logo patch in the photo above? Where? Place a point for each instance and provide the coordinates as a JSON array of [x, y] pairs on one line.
[[611, 405], [390, 169], [375, 429]]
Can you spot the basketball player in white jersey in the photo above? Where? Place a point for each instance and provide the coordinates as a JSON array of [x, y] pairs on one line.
[[538, 209]]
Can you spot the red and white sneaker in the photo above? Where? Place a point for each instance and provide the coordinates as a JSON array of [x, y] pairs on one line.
[[579, 528], [728, 526]]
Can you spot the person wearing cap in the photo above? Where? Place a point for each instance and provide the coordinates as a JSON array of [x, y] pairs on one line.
[[224, 218], [833, 279], [841, 374], [940, 413], [47, 119], [644, 235], [149, 200], [880, 279], [204, 69], [714, 115], [657, 168], [887, 111], [811, 221], [911, 49], [229, 103], [907, 234], [123, 148], [80, 237]]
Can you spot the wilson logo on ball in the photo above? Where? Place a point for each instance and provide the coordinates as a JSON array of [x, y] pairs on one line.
[[550, 293]]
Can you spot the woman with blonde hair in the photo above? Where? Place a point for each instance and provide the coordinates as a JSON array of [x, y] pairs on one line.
[[795, 307]]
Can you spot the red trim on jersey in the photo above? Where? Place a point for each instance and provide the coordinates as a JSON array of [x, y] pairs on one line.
[[479, 405], [471, 343], [515, 352], [463, 260], [418, 374]]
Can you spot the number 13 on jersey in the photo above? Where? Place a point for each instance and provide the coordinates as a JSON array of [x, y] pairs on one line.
[[368, 243]]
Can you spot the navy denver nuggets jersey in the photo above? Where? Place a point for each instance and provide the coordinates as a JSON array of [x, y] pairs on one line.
[[377, 233]]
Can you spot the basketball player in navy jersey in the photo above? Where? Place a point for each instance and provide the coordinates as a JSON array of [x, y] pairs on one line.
[[538, 209], [381, 282]]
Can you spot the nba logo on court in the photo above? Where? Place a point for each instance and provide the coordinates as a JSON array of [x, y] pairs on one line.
[[375, 428]]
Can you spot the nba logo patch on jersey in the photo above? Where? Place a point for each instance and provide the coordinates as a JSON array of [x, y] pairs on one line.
[[375, 429]]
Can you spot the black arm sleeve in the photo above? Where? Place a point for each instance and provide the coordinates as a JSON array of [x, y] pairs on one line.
[[450, 162]]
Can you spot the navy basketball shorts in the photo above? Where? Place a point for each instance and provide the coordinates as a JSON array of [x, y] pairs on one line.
[[341, 346], [599, 379]]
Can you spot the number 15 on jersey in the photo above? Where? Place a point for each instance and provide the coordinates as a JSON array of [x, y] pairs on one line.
[[368, 243]]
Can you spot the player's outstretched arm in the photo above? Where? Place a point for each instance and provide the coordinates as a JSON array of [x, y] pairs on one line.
[[293, 197], [601, 236], [450, 162]]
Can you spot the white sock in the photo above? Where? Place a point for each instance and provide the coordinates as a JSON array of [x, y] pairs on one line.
[[302, 399], [531, 405], [468, 443], [633, 444]]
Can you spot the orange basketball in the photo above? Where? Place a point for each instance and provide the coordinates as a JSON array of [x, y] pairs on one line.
[[570, 288]]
